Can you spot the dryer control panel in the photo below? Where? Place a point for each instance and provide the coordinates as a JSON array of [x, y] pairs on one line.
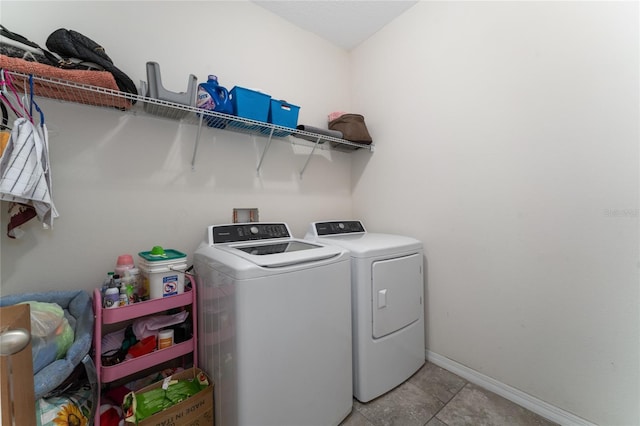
[[253, 231], [338, 227]]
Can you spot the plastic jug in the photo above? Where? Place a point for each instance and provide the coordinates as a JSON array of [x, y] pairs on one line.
[[124, 262], [213, 97]]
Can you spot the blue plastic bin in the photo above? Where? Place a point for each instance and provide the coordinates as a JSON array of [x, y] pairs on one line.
[[250, 104], [283, 114]]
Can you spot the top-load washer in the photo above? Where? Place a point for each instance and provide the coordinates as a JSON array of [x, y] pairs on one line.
[[387, 293], [274, 320]]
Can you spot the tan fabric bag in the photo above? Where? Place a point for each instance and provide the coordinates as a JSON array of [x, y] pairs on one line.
[[353, 128]]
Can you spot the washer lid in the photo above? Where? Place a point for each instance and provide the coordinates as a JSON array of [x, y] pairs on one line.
[[279, 253]]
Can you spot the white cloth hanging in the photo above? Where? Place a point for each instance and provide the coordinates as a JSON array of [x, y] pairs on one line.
[[24, 170]]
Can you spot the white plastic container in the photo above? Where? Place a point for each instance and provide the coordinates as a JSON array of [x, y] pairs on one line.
[[162, 272], [165, 338]]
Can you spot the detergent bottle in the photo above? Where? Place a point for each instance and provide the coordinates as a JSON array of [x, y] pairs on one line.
[[213, 97]]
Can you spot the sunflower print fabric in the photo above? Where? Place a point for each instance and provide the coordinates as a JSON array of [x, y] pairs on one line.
[[72, 409], [70, 415]]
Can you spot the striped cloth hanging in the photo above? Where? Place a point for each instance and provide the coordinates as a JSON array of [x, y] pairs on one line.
[[24, 171]]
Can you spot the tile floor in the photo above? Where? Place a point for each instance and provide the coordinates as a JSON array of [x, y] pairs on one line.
[[435, 397]]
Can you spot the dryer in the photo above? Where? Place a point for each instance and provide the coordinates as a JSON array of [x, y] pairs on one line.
[[274, 320], [387, 293]]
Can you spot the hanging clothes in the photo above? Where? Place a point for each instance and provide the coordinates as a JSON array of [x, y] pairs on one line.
[[24, 176]]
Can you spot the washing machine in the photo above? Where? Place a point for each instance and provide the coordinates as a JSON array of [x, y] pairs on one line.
[[274, 324], [387, 293]]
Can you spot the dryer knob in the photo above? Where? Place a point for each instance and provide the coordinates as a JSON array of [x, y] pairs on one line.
[[341, 225], [254, 230]]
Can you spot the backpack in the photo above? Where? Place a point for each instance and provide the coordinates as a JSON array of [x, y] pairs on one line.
[[70, 43], [15, 45]]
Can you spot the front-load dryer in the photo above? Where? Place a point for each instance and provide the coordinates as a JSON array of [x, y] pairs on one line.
[[387, 293], [274, 320]]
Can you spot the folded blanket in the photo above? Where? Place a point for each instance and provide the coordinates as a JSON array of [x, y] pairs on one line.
[[317, 131], [93, 78]]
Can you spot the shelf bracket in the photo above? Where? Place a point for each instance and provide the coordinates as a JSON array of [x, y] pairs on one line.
[[195, 148], [315, 145], [264, 152]]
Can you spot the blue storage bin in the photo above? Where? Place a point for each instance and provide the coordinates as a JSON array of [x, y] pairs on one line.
[[283, 114], [250, 104]]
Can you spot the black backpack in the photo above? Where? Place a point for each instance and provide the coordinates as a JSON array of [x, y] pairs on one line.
[[69, 43], [17, 46]]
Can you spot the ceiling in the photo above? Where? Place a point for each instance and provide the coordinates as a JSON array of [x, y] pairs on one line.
[[345, 23]]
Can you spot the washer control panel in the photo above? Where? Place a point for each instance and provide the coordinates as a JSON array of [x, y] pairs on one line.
[[239, 232], [338, 227]]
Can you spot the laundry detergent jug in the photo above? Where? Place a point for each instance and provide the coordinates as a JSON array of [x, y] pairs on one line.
[[213, 97]]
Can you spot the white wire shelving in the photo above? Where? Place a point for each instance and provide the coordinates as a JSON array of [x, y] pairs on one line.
[[68, 91]]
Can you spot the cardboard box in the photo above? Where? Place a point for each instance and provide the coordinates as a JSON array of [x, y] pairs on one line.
[[196, 410]]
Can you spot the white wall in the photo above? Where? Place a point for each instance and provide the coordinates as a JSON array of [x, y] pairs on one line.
[[123, 182], [507, 140]]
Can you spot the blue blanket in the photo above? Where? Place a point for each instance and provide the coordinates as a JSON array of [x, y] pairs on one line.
[[79, 312]]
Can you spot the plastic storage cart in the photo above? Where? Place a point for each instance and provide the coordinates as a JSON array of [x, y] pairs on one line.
[[122, 314]]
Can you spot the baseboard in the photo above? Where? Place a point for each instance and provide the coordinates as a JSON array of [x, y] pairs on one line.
[[531, 403]]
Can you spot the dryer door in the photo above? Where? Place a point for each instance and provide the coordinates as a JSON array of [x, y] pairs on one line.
[[397, 289]]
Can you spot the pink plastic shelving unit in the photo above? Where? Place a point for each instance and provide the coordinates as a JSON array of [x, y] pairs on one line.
[[128, 367]]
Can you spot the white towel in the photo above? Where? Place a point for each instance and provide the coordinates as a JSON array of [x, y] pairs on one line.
[[24, 170]]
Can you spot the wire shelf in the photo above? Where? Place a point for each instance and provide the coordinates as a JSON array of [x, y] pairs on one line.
[[68, 91]]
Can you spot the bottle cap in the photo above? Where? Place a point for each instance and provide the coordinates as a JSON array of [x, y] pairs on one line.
[[124, 259], [157, 251], [213, 78]]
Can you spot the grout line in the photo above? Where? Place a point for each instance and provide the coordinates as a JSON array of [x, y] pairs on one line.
[[466, 383], [448, 402]]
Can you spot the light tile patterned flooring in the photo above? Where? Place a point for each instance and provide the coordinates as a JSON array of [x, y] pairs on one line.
[[435, 397]]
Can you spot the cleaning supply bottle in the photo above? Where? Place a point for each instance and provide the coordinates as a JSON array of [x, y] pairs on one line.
[[132, 279], [124, 299], [124, 262], [106, 282], [111, 297], [117, 281], [213, 97]]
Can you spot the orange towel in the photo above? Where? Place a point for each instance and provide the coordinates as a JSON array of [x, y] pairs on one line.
[[93, 78]]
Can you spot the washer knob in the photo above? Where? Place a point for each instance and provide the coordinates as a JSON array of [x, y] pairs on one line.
[[254, 230], [341, 225]]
